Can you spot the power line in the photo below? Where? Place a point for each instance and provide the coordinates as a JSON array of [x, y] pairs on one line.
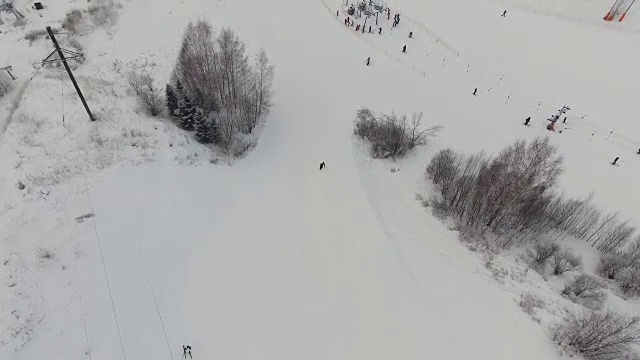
[[104, 266], [157, 307]]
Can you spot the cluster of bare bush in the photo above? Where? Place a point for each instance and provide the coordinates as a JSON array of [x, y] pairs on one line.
[[513, 195], [586, 290], [148, 94], [624, 267], [561, 259], [598, 335], [216, 76], [100, 13], [391, 136]]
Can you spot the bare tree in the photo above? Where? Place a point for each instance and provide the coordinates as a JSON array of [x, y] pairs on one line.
[[629, 280], [632, 252], [611, 264], [264, 82], [598, 335], [148, 95], [542, 251], [587, 290], [565, 260], [391, 136]]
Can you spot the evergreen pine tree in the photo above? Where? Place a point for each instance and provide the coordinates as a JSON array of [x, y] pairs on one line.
[[172, 100], [205, 130], [187, 112]]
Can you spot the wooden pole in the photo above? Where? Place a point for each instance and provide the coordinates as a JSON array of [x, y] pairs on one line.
[[73, 79]]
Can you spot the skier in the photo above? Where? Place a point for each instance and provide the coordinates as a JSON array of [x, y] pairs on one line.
[[358, 27], [504, 14], [638, 151], [564, 121], [337, 12], [615, 161], [186, 350], [322, 165], [475, 91], [368, 62], [527, 120], [410, 34], [380, 31], [369, 28], [404, 49]]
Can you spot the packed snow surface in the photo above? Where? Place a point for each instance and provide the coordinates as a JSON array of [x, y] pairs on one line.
[[271, 258]]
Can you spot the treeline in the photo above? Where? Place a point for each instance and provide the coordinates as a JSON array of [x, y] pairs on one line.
[[512, 198], [513, 194], [216, 90]]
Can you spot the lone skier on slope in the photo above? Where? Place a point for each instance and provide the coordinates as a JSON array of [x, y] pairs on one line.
[[615, 161], [404, 49], [475, 91], [186, 350], [527, 120], [504, 14], [322, 165], [368, 62]]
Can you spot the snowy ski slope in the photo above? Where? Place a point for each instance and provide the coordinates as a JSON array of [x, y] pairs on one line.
[[270, 258]]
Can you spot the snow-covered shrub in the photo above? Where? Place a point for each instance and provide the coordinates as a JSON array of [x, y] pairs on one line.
[[34, 35], [598, 335], [73, 20], [392, 136], [629, 281], [444, 168], [611, 264], [103, 12], [542, 251], [148, 95], [586, 290], [529, 302], [565, 260]]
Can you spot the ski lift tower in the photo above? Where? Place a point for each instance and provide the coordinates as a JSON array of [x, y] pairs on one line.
[[370, 8]]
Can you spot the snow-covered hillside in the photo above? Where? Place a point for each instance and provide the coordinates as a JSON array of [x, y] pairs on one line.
[[129, 239]]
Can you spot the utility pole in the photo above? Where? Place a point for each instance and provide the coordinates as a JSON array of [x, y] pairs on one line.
[[8, 70], [66, 66]]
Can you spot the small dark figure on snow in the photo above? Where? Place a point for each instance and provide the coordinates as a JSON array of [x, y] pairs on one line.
[[527, 120], [404, 49], [504, 14], [410, 34], [380, 31], [564, 121], [638, 151], [368, 61], [337, 12], [475, 91], [322, 165], [615, 161], [186, 350], [358, 27], [369, 28]]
